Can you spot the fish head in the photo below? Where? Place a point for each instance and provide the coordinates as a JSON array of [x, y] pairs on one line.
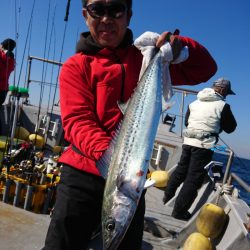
[[116, 221]]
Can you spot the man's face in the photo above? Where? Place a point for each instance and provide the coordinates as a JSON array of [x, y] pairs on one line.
[[221, 90], [107, 21]]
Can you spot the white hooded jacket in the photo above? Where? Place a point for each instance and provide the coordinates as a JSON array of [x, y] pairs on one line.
[[204, 121]]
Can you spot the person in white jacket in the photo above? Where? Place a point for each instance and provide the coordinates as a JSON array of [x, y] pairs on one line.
[[206, 117]]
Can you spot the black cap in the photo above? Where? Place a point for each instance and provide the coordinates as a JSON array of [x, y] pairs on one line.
[[8, 44], [224, 83]]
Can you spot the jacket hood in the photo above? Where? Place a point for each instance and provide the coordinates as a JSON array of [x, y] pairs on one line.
[[209, 95], [88, 46]]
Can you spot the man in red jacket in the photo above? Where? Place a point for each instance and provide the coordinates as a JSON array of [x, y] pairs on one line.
[[7, 65], [104, 70]]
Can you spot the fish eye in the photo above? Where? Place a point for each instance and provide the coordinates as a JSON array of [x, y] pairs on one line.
[[110, 225]]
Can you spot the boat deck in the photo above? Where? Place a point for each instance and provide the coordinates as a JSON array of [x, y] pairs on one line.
[[24, 230], [159, 227], [21, 229], [160, 212]]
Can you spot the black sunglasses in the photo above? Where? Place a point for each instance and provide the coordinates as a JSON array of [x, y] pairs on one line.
[[113, 10]]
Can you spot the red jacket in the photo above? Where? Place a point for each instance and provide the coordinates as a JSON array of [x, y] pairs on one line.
[[7, 64], [94, 80]]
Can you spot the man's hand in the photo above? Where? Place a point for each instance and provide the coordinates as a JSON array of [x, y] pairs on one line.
[[174, 41]]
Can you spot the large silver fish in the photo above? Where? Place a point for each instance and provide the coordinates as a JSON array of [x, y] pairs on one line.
[[131, 154]]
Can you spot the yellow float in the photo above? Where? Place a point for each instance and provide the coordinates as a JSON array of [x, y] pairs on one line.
[[38, 140], [197, 241], [211, 220], [22, 133], [2, 145], [160, 177]]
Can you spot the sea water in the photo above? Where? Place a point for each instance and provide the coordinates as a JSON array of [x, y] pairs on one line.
[[241, 167]]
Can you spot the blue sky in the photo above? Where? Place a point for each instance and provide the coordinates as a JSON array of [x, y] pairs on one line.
[[222, 26]]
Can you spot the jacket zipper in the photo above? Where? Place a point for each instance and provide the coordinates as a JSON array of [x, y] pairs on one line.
[[123, 76]]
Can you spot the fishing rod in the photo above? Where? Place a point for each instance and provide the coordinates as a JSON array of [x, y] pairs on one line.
[[67, 11], [16, 97], [60, 60], [53, 57], [52, 74], [17, 23], [26, 41], [14, 77], [44, 72]]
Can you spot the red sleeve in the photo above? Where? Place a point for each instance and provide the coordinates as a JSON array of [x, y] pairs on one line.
[[11, 64], [199, 67], [79, 119], [7, 65], [7, 60]]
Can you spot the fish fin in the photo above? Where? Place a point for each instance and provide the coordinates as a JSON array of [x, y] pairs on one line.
[[120, 181], [167, 105], [149, 183], [103, 163], [123, 106], [128, 188]]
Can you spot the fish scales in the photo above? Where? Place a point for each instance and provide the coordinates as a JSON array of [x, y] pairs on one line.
[[131, 156]]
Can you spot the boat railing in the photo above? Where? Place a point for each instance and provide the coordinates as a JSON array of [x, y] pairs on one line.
[[229, 176], [242, 183], [228, 167], [30, 59], [45, 81], [180, 96]]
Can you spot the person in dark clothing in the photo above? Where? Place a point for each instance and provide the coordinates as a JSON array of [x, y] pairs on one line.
[[104, 71], [206, 117]]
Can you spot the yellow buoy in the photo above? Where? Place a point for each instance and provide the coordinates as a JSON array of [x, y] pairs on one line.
[[197, 241], [2, 145], [37, 140], [211, 220], [57, 149], [22, 133], [160, 177]]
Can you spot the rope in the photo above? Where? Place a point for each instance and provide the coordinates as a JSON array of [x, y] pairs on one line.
[[227, 189]]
